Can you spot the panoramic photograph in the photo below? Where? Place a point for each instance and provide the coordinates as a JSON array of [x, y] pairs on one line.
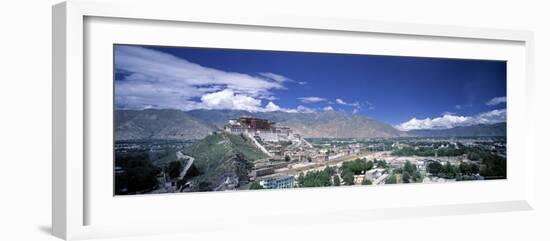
[[190, 119]]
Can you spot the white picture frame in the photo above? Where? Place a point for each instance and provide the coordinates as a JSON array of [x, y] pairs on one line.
[[74, 200]]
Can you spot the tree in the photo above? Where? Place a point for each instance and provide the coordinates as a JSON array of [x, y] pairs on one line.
[[474, 168], [465, 168], [369, 165], [287, 158], [367, 182], [301, 179], [336, 180], [449, 170], [409, 167], [174, 169], [330, 170], [193, 171], [474, 156], [459, 177], [316, 178], [494, 167], [381, 163], [406, 177], [348, 178], [417, 177], [256, 186], [398, 170], [139, 176], [391, 179], [434, 167], [357, 166]]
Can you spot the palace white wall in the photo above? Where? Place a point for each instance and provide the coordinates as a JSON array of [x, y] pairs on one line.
[[25, 122]]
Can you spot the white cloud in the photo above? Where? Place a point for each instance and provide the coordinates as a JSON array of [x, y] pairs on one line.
[[302, 83], [275, 77], [272, 107], [154, 78], [490, 117], [496, 101], [443, 122], [342, 102], [449, 120], [328, 108], [355, 110], [311, 99], [303, 109], [227, 99]]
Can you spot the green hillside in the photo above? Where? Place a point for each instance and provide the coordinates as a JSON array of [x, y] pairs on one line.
[[221, 156]]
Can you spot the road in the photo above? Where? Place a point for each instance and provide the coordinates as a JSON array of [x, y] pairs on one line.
[[258, 145], [295, 170], [190, 161]]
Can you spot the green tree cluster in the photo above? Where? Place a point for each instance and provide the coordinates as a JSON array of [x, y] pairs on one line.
[[493, 166], [174, 169], [444, 171], [380, 163], [392, 179], [434, 167], [256, 186], [468, 168], [321, 178], [348, 178], [355, 167], [430, 151], [462, 172], [367, 182], [410, 173], [139, 174]]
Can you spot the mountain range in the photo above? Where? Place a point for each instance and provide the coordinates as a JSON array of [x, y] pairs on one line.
[[197, 124], [330, 124], [497, 129], [159, 124]]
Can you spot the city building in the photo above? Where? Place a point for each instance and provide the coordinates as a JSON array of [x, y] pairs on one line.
[[278, 182], [358, 179]]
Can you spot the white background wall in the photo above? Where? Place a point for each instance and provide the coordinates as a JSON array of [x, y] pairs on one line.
[[25, 120]]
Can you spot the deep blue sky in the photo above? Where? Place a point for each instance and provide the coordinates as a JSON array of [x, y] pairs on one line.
[[388, 88]]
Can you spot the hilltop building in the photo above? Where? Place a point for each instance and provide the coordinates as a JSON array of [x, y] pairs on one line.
[[262, 129]]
